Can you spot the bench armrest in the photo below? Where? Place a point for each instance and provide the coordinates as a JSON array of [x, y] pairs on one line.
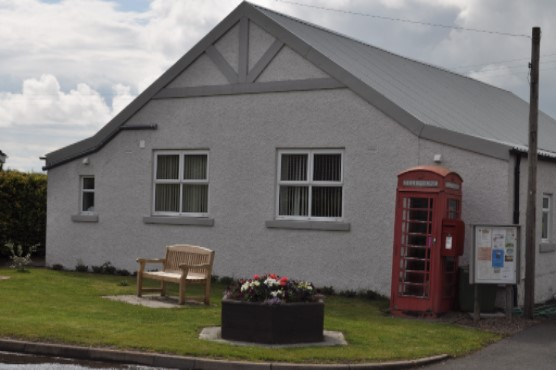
[[143, 261], [193, 265], [151, 260]]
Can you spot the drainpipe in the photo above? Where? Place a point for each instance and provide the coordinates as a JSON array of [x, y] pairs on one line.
[[517, 167]]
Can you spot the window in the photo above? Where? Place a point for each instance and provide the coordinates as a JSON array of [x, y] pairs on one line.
[[310, 184], [181, 183], [87, 194], [453, 209], [546, 217]]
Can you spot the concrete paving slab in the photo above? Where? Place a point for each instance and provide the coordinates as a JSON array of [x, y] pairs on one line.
[[152, 301], [331, 338]]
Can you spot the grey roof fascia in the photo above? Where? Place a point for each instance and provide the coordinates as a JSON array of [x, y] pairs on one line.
[[250, 88], [466, 142], [111, 129]]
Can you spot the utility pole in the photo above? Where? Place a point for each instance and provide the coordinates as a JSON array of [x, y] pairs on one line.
[[530, 226]]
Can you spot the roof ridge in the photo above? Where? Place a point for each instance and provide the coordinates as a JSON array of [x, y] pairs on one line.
[[328, 30]]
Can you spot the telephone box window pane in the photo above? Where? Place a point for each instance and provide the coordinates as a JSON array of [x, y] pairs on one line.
[[168, 167], [418, 215], [452, 209], [327, 167], [420, 228], [418, 240], [294, 167], [294, 201], [421, 203], [327, 202], [167, 198]]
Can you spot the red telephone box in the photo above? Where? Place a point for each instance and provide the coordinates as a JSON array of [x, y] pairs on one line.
[[428, 239]]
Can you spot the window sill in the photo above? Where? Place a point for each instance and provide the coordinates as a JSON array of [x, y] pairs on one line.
[[308, 225], [179, 220], [547, 248], [84, 218]]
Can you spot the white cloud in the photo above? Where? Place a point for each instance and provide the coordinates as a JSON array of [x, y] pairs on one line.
[[42, 102]]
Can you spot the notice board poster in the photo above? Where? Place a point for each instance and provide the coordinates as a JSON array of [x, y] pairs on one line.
[[495, 258]]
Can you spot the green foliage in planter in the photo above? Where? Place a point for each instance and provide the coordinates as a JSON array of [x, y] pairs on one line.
[[23, 210]]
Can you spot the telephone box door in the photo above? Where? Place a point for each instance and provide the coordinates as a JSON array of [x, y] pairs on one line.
[[415, 248]]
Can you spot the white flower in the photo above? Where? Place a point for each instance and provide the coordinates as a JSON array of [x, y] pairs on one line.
[[269, 282]]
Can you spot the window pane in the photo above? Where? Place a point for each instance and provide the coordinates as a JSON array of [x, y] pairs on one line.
[[88, 202], [195, 198], [327, 167], [89, 183], [167, 167], [195, 167], [452, 209], [545, 202], [294, 167], [167, 198], [544, 232], [294, 201], [327, 202]]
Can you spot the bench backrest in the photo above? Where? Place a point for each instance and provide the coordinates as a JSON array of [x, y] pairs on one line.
[[191, 255]]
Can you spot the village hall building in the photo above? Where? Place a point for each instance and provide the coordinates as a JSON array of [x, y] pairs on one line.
[[278, 143]]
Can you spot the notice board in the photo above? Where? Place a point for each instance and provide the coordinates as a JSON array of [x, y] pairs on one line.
[[495, 254]]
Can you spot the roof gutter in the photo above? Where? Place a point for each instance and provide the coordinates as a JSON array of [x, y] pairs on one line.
[[97, 147]]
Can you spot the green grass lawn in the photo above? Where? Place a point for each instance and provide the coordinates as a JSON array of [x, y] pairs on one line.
[[67, 307]]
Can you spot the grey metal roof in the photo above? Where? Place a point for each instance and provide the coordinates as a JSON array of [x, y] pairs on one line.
[[433, 96], [431, 102]]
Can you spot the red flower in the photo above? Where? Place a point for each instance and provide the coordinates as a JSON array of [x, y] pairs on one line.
[[283, 281], [256, 277], [272, 276]]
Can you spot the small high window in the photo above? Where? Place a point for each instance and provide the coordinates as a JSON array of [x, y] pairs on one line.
[[87, 194], [546, 217], [310, 184], [181, 183]]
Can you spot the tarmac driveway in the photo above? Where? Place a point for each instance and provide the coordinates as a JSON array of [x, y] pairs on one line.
[[533, 348]]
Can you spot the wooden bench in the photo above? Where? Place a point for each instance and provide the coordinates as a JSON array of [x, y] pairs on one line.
[[184, 264]]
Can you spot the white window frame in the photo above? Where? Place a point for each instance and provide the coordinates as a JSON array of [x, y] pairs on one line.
[[309, 182], [548, 212], [181, 181], [83, 191]]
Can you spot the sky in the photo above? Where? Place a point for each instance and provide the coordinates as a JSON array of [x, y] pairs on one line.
[[68, 66]]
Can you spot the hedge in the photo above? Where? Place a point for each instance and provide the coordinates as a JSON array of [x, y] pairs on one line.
[[23, 209]]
